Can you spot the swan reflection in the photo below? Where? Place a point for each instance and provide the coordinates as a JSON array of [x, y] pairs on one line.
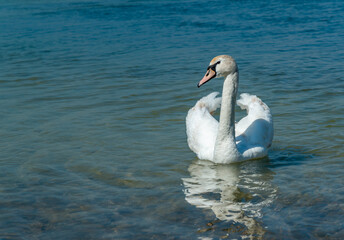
[[234, 192]]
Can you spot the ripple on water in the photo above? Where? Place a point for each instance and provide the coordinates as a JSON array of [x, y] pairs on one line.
[[94, 97]]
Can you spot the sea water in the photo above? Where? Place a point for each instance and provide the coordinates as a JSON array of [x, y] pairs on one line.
[[94, 96]]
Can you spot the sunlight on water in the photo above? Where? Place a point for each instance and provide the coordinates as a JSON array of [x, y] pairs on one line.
[[232, 192], [94, 96]]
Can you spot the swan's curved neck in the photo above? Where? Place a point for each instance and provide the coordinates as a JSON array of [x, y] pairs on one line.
[[225, 146]]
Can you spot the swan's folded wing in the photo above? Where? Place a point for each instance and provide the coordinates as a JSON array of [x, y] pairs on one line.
[[201, 126], [257, 127]]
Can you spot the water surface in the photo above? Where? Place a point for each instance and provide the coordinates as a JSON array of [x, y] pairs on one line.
[[94, 96]]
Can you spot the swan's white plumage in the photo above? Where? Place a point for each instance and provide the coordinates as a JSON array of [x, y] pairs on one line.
[[248, 139], [253, 132], [201, 126]]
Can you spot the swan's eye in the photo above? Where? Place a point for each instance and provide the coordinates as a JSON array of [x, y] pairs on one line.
[[213, 67]]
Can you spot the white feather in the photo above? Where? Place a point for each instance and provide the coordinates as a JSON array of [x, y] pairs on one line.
[[201, 126]]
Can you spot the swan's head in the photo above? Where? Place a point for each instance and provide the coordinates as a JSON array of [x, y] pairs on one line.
[[220, 66]]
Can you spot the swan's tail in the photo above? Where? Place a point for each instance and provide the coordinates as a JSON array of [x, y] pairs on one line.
[[211, 102]]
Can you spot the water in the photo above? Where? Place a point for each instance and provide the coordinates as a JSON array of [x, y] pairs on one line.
[[94, 96]]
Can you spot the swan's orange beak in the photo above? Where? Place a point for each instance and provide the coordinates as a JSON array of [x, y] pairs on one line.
[[210, 74]]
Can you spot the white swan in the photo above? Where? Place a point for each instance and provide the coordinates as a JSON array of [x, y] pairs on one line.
[[227, 141]]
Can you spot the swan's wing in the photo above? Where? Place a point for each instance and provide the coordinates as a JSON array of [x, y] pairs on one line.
[[254, 132], [201, 126]]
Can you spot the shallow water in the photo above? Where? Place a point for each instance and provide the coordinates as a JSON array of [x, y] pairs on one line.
[[94, 96]]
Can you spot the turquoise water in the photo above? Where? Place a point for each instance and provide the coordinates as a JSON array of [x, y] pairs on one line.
[[94, 96]]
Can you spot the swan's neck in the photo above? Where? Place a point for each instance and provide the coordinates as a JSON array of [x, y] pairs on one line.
[[225, 147]]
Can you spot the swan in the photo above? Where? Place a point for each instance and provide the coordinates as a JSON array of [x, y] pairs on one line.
[[226, 141]]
